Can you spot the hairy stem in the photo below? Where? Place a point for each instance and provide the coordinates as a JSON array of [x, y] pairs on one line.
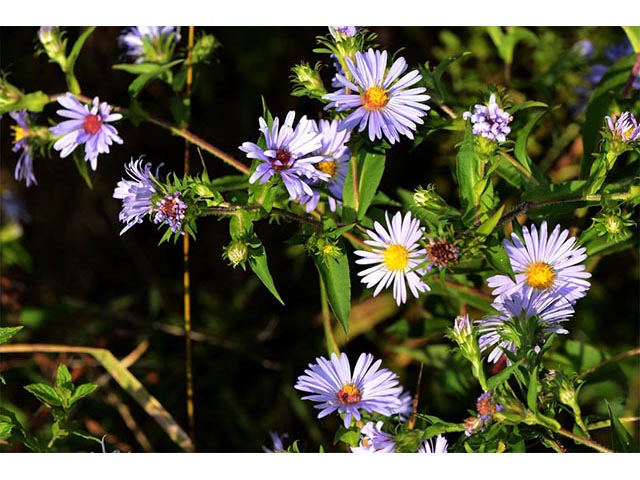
[[584, 441]]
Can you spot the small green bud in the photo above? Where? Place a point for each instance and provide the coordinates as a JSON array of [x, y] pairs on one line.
[[307, 81], [203, 191], [237, 253], [54, 45], [613, 223], [204, 48]]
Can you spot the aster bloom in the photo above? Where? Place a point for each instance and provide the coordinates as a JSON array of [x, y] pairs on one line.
[[288, 154], [136, 194], [625, 128], [374, 440], [87, 126], [395, 256], [340, 33], [149, 43], [490, 121], [500, 331], [440, 445], [333, 385], [335, 163], [24, 167], [171, 210], [382, 100], [406, 406], [278, 445], [547, 263]]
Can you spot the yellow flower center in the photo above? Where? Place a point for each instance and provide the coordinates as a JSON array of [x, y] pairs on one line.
[[396, 257], [627, 134], [349, 394], [327, 166], [375, 98], [540, 275], [18, 133]]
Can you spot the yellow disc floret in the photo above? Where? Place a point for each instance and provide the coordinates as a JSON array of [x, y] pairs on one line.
[[327, 166], [396, 257], [540, 275], [349, 394], [18, 133], [375, 98]]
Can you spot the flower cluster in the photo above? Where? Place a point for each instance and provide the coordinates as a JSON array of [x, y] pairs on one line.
[[489, 121], [486, 407], [549, 278], [86, 126], [368, 390]]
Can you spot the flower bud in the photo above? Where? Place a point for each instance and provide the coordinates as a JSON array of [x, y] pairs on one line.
[[53, 45], [204, 48], [237, 253], [307, 81]]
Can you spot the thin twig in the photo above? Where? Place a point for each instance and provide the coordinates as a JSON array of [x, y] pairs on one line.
[[416, 399], [620, 356], [635, 71], [585, 441], [113, 399]]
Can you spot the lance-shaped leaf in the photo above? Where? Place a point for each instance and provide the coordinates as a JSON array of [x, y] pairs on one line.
[[337, 281], [258, 263]]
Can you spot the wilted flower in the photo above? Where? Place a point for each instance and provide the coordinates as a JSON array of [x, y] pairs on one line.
[[381, 99], [333, 385], [546, 263], [136, 194], [441, 254], [490, 121], [396, 255], [171, 210], [88, 127], [374, 440], [288, 154]]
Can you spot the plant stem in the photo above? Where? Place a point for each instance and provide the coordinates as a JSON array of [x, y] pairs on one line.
[[186, 276], [635, 70], [620, 356], [584, 441], [332, 345]]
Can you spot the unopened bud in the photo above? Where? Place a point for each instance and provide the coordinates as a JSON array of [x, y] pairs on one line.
[[237, 253], [53, 44], [204, 48]]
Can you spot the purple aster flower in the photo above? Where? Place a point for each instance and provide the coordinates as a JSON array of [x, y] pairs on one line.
[[333, 385], [87, 126], [618, 50], [335, 83], [380, 97], [585, 48], [171, 210], [335, 163], [396, 255], [24, 167], [547, 263], [625, 128], [406, 406], [499, 331], [136, 39], [341, 33], [490, 121], [440, 446], [136, 194], [278, 445], [288, 154], [374, 440]]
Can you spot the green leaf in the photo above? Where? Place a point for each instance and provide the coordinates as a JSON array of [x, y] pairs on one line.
[[467, 173], [532, 391], [603, 94], [555, 191], [7, 333], [63, 378], [72, 82], [34, 102], [45, 393], [5, 430], [142, 80], [136, 112], [503, 376], [489, 225], [83, 168], [459, 292], [136, 68], [633, 33], [370, 168], [621, 440], [520, 150], [337, 281], [258, 263], [82, 391], [349, 436], [439, 71], [528, 104]]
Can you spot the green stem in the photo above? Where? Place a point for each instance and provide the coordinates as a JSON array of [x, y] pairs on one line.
[[620, 356], [332, 345], [584, 441]]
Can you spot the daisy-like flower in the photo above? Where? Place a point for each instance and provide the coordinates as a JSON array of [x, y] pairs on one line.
[[278, 443], [136, 194], [171, 210], [335, 163], [340, 33], [440, 445], [87, 126], [396, 255], [382, 100], [490, 121], [332, 384], [501, 330], [624, 128], [154, 44], [24, 167], [374, 440], [288, 154], [548, 263]]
